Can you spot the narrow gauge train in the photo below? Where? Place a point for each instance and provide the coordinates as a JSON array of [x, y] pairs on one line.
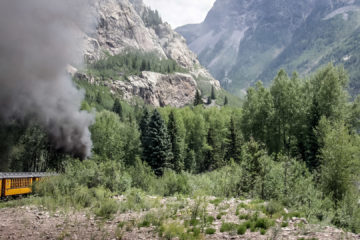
[[13, 184]]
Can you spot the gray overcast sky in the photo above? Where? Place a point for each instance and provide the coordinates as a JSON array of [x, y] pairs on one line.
[[181, 12]]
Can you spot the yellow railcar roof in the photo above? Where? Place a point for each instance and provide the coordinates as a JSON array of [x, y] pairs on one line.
[[24, 174]]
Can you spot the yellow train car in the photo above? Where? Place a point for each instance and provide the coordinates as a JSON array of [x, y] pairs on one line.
[[13, 184]]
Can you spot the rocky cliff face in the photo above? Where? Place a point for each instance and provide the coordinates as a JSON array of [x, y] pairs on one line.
[[158, 89], [242, 41], [122, 27]]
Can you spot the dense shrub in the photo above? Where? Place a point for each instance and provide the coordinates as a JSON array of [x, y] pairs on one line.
[[171, 183], [241, 230], [210, 231]]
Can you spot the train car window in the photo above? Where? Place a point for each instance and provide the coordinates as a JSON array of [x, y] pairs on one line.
[[20, 182]]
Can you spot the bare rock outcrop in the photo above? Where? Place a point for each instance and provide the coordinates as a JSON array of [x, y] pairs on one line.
[[159, 90], [121, 28]]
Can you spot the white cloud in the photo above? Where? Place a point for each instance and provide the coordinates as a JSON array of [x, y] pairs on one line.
[[181, 12]]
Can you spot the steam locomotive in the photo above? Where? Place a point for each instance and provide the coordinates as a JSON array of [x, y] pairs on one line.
[[14, 184]]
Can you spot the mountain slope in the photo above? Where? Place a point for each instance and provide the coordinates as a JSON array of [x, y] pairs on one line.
[[125, 26], [249, 40]]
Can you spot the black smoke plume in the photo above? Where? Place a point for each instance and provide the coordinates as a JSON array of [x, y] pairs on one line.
[[38, 39]]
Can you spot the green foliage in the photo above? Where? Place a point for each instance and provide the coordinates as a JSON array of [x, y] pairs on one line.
[[171, 183], [157, 146], [142, 176], [106, 134], [241, 229], [177, 162], [226, 101], [198, 100], [263, 223], [117, 108], [176, 230], [98, 97], [234, 142], [348, 213], [119, 67], [257, 113], [273, 207], [106, 208], [210, 231], [291, 145], [340, 159], [213, 96], [228, 227], [151, 17], [284, 224]]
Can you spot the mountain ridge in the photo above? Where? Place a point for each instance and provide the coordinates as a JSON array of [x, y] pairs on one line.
[[249, 40]]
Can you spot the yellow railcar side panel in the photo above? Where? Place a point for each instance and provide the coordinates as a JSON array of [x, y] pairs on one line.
[[17, 191], [17, 186], [1, 188], [7, 183]]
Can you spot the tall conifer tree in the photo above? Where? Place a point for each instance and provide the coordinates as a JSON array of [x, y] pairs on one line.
[[213, 96], [143, 126], [233, 144], [177, 162], [157, 146], [197, 100], [117, 108]]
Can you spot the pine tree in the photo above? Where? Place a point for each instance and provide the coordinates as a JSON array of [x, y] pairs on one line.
[[144, 124], [226, 101], [177, 163], [143, 65], [134, 63], [157, 147], [197, 100], [168, 69], [233, 144], [98, 98], [117, 108], [213, 156], [190, 161], [148, 66], [213, 96]]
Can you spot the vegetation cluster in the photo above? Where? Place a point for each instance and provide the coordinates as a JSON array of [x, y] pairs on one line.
[[295, 145], [120, 67]]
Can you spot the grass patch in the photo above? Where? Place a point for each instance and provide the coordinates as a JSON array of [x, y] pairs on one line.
[[241, 229], [264, 223], [216, 202], [106, 208], [220, 215], [228, 227], [245, 216], [210, 231], [210, 219], [273, 208], [284, 224]]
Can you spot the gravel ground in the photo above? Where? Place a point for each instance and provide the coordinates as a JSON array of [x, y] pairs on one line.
[[31, 222]]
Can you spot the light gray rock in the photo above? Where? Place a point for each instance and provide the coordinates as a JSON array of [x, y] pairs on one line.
[[159, 90], [121, 28]]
